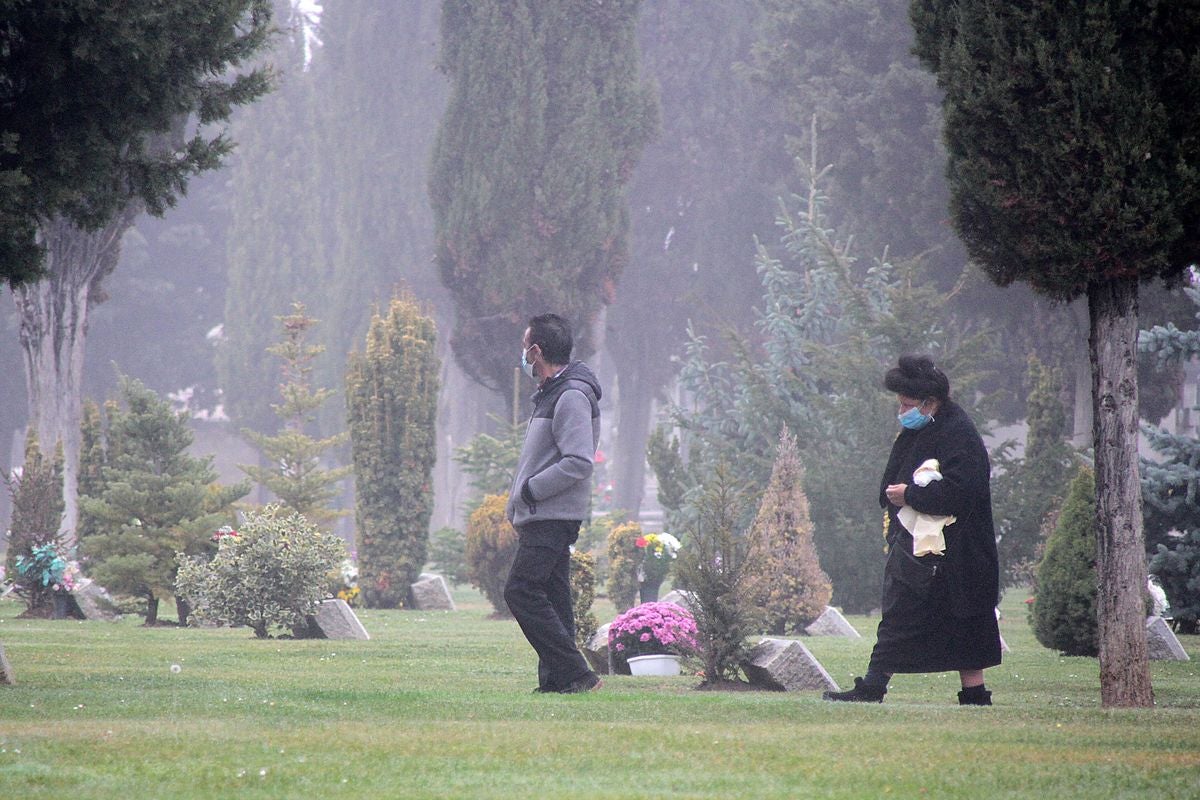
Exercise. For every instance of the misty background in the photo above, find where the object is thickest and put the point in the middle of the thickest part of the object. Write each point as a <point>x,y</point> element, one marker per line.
<point>326,201</point>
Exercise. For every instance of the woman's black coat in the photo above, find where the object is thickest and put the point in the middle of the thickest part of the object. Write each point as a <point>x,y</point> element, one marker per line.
<point>971,565</point>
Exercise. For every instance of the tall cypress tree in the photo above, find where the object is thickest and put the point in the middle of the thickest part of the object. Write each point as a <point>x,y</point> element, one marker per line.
<point>391,398</point>
<point>545,121</point>
<point>1074,166</point>
<point>696,199</point>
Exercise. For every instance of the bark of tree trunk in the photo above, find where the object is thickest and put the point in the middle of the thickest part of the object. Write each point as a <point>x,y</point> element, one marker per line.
<point>151,610</point>
<point>629,458</point>
<point>1120,548</point>
<point>53,331</point>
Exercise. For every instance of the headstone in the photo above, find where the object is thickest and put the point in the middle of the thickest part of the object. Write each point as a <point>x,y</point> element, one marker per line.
<point>430,593</point>
<point>336,620</point>
<point>1158,595</point>
<point>1162,643</point>
<point>786,665</point>
<point>680,598</point>
<point>6,673</point>
<point>832,623</point>
<point>94,601</point>
<point>595,650</point>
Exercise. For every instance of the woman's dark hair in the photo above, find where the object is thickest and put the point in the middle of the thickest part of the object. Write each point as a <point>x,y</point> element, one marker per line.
<point>552,333</point>
<point>917,377</point>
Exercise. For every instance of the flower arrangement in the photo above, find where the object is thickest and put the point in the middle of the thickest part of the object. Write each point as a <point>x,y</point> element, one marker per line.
<point>657,551</point>
<point>223,532</point>
<point>653,629</point>
<point>659,545</point>
<point>48,568</point>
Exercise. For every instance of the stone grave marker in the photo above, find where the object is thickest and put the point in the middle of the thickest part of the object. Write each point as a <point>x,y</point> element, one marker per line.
<point>336,620</point>
<point>1162,643</point>
<point>679,598</point>
<point>430,593</point>
<point>6,673</point>
<point>94,601</point>
<point>595,650</point>
<point>786,665</point>
<point>832,623</point>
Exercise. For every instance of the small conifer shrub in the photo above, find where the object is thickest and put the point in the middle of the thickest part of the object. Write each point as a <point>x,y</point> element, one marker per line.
<point>1063,613</point>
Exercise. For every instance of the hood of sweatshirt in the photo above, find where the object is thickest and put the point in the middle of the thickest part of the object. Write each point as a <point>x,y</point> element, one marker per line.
<point>575,371</point>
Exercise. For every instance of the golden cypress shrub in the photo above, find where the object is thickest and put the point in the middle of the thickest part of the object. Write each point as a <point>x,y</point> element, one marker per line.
<point>624,558</point>
<point>491,548</point>
<point>583,594</point>
<point>786,581</point>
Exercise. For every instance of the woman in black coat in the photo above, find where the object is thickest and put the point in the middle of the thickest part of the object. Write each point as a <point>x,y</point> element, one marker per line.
<point>939,610</point>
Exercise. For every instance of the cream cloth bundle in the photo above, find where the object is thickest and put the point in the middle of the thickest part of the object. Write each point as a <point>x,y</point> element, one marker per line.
<point>926,529</point>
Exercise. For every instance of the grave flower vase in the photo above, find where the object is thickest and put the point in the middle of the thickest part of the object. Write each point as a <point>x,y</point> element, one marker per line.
<point>659,664</point>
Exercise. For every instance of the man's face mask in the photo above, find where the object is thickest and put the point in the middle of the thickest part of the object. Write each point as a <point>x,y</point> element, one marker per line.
<point>525,365</point>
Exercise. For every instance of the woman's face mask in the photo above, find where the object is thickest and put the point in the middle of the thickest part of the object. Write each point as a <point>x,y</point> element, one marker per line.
<point>913,419</point>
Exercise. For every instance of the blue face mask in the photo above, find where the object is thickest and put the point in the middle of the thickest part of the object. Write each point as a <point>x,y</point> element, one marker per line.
<point>913,419</point>
<point>525,365</point>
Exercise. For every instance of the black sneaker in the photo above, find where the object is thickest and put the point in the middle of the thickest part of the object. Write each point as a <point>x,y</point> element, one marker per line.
<point>861,693</point>
<point>589,682</point>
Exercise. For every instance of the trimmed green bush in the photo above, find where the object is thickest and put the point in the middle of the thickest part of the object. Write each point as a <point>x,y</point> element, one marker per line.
<point>273,571</point>
<point>1063,614</point>
<point>491,548</point>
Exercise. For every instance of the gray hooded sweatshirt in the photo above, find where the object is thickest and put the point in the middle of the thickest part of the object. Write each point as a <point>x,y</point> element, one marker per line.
<point>554,474</point>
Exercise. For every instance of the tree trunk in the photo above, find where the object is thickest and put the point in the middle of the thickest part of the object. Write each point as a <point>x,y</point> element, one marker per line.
<point>1081,435</point>
<point>629,458</point>
<point>53,332</point>
<point>151,609</point>
<point>1120,550</point>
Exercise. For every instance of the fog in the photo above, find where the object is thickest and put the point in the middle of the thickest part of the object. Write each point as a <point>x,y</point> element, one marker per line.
<point>326,200</point>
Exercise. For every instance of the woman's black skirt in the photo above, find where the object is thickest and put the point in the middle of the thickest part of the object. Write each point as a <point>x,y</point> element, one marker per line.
<point>918,631</point>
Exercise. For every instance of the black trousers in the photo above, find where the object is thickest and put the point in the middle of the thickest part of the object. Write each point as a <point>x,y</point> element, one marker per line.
<point>538,593</point>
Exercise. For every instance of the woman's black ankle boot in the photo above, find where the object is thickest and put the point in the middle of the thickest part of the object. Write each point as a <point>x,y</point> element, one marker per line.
<point>861,693</point>
<point>975,696</point>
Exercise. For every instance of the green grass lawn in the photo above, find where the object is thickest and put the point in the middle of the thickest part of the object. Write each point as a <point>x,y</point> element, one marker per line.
<point>439,705</point>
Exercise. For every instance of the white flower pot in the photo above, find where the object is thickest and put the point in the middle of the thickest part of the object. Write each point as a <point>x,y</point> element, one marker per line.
<point>654,665</point>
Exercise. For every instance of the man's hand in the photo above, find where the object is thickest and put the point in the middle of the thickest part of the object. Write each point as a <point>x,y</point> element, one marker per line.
<point>895,494</point>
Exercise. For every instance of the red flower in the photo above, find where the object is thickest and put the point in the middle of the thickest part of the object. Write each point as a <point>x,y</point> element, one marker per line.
<point>641,541</point>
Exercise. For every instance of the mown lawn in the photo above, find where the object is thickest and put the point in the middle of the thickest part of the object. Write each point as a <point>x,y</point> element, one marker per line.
<point>439,705</point>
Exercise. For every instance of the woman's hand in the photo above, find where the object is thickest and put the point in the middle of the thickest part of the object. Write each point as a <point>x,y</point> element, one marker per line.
<point>895,494</point>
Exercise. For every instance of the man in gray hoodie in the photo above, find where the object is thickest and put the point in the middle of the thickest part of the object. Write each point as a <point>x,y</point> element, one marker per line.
<point>550,496</point>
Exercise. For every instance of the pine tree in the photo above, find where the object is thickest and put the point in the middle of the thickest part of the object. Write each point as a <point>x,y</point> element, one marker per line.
<point>786,577</point>
<point>155,501</point>
<point>391,397</point>
<point>1073,168</point>
<point>132,96</point>
<point>829,327</point>
<point>295,475</point>
<point>714,568</point>
<point>1171,484</point>
<point>1064,610</point>
<point>545,121</point>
